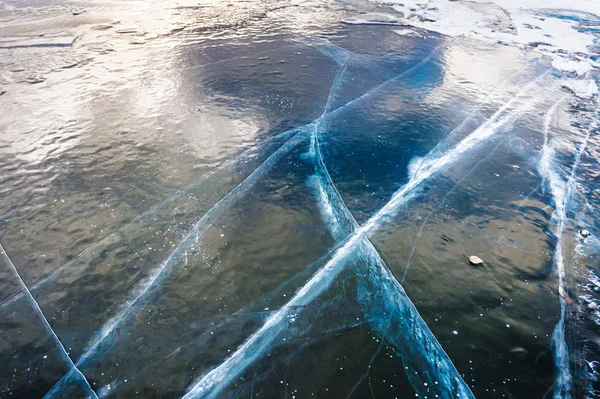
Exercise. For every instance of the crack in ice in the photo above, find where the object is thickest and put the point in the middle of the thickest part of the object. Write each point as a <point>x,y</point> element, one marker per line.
<point>258,342</point>
<point>47,327</point>
<point>561,193</point>
<point>331,199</point>
<point>286,134</point>
<point>132,306</point>
<point>324,46</point>
<point>438,207</point>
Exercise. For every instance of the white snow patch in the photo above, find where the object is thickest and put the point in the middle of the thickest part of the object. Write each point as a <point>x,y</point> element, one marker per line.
<point>373,19</point>
<point>523,23</point>
<point>407,32</point>
<point>574,66</point>
<point>581,88</point>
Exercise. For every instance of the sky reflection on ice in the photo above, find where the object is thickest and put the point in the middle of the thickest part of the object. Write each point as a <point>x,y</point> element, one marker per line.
<point>305,201</point>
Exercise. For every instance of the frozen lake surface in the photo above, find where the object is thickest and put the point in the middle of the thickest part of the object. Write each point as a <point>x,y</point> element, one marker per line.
<point>255,199</point>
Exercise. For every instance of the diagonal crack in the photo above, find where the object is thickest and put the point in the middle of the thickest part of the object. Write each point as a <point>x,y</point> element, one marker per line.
<point>213,382</point>
<point>147,287</point>
<point>561,193</point>
<point>327,48</point>
<point>47,327</point>
<point>343,222</point>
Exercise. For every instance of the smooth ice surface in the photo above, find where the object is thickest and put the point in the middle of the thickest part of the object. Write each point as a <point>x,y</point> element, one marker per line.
<point>267,199</point>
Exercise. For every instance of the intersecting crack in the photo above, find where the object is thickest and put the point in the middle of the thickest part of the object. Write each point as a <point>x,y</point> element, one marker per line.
<point>353,243</point>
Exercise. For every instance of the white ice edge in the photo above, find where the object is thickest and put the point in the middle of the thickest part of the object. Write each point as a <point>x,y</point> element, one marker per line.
<point>561,191</point>
<point>373,19</point>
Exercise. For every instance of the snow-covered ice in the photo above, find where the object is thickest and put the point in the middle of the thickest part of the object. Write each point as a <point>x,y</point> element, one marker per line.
<point>574,66</point>
<point>374,19</point>
<point>551,27</point>
<point>582,88</point>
